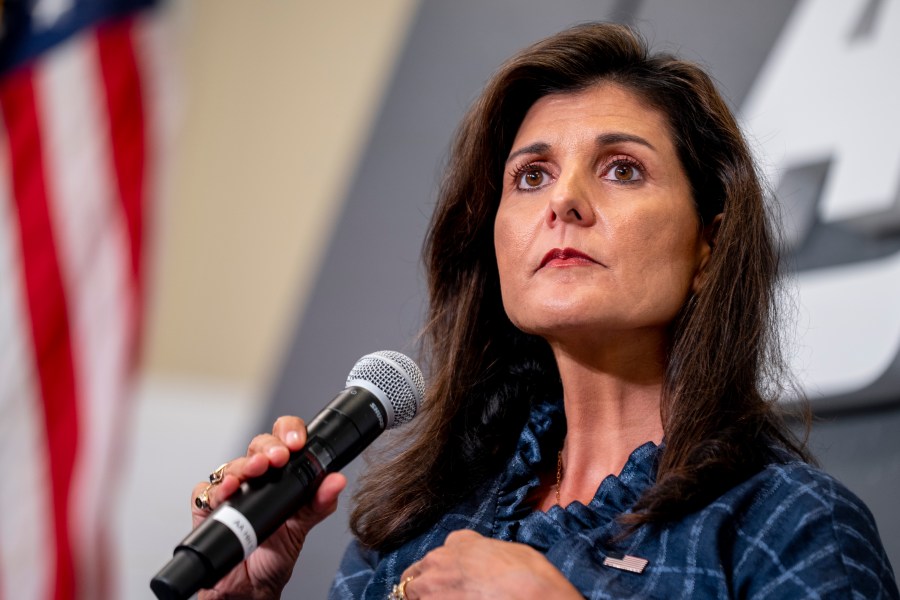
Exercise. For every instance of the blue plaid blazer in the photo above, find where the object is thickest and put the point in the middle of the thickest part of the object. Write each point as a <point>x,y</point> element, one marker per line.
<point>790,531</point>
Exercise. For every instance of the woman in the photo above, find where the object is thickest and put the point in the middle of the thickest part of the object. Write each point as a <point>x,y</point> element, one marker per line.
<point>604,366</point>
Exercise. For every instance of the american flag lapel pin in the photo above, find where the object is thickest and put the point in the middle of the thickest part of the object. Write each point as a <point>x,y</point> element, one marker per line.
<point>633,564</point>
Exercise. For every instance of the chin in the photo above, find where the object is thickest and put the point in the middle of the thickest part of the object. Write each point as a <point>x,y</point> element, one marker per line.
<point>554,325</point>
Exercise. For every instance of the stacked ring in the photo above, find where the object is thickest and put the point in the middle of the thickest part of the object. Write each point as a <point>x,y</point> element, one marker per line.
<point>218,475</point>
<point>202,500</point>
<point>398,592</point>
<point>215,478</point>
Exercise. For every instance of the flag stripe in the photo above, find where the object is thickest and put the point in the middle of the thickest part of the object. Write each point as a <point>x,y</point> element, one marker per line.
<point>125,108</point>
<point>25,531</point>
<point>47,309</point>
<point>130,138</point>
<point>74,173</point>
<point>95,261</point>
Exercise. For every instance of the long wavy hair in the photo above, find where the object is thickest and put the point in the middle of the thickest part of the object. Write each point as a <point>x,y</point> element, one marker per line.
<point>724,372</point>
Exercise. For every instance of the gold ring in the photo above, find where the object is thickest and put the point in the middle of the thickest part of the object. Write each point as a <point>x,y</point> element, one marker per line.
<point>218,475</point>
<point>398,592</point>
<point>202,500</point>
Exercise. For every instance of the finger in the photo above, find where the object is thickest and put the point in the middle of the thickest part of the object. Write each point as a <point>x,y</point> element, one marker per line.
<point>326,498</point>
<point>233,474</point>
<point>324,503</point>
<point>461,536</point>
<point>288,435</point>
<point>414,570</point>
<point>276,451</point>
<point>243,468</point>
<point>197,513</point>
<point>291,431</point>
<point>413,588</point>
<point>204,499</point>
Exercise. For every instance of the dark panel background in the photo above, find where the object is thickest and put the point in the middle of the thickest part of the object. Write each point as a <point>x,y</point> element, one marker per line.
<point>369,293</point>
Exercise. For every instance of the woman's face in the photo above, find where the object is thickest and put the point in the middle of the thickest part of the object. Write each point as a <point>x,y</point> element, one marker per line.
<point>596,230</point>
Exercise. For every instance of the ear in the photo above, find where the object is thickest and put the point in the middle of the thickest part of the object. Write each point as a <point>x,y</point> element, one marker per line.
<point>707,243</point>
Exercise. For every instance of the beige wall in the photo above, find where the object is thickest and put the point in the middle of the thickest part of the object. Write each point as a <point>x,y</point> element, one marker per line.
<point>278,98</point>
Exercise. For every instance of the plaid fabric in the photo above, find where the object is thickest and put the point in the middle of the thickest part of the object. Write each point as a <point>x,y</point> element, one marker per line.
<point>790,531</point>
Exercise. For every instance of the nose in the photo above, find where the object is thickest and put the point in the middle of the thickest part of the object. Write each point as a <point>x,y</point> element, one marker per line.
<point>570,202</point>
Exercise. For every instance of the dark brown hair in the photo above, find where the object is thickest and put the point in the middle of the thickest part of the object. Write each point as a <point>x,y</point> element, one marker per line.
<point>724,369</point>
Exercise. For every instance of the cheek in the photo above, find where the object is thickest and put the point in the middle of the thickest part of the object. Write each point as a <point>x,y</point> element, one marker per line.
<point>682,266</point>
<point>664,253</point>
<point>510,242</point>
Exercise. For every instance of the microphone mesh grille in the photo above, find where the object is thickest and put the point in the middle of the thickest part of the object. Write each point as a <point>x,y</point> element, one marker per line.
<point>397,376</point>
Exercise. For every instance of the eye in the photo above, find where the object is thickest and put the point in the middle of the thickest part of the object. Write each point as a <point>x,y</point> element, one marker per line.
<point>624,171</point>
<point>531,177</point>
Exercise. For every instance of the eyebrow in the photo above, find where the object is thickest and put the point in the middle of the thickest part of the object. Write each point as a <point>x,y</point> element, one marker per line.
<point>609,139</point>
<point>605,139</point>
<point>536,148</point>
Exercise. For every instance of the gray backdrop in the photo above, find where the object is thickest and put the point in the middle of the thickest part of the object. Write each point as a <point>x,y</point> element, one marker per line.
<point>369,292</point>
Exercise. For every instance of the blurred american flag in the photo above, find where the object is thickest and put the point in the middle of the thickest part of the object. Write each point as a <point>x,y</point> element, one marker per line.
<point>79,150</point>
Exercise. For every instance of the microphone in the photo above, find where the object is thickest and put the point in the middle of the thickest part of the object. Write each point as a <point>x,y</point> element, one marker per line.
<point>384,390</point>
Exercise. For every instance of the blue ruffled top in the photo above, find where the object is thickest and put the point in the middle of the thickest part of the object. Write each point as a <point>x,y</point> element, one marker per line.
<point>516,520</point>
<point>790,531</point>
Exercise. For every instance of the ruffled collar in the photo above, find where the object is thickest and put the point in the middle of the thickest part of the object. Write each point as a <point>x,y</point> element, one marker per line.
<point>516,520</point>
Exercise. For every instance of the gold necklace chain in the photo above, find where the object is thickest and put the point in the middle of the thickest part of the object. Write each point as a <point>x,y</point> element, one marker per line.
<point>559,471</point>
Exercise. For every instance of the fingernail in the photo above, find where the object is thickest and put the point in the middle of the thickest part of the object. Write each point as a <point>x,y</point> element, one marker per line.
<point>293,437</point>
<point>272,451</point>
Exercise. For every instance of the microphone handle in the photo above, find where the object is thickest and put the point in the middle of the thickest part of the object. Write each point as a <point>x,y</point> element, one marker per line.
<point>262,504</point>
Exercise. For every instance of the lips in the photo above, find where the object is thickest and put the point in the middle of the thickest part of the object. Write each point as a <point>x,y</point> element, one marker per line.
<point>566,257</point>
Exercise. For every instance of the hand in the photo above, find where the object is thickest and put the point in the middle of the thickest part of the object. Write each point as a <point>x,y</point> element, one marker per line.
<point>469,565</point>
<point>268,569</point>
